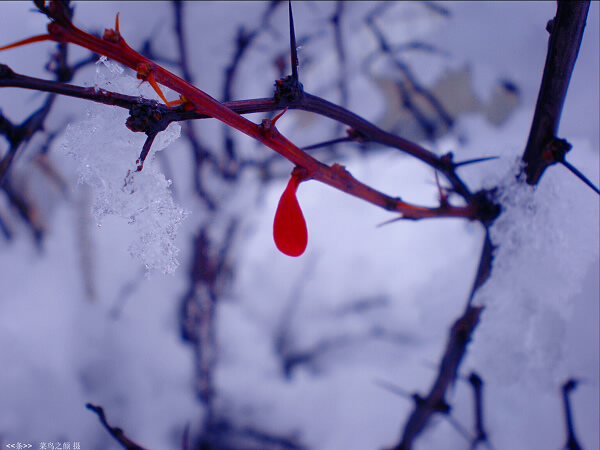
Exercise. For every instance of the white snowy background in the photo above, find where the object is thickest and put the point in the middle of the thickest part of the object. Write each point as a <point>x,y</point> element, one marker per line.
<point>60,350</point>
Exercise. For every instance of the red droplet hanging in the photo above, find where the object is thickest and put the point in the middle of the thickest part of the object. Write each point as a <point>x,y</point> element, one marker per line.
<point>289,226</point>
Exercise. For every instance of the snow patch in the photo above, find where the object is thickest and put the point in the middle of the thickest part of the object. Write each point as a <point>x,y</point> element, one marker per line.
<point>107,151</point>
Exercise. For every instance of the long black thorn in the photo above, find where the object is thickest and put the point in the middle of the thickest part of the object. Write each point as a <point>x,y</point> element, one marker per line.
<point>294,51</point>
<point>327,143</point>
<point>387,222</point>
<point>473,161</point>
<point>581,176</point>
<point>458,427</point>
<point>393,389</point>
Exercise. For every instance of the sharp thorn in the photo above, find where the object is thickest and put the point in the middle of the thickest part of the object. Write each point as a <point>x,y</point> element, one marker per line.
<point>156,87</point>
<point>276,118</point>
<point>294,51</point>
<point>392,388</point>
<point>327,143</point>
<point>31,40</point>
<point>387,222</point>
<point>473,161</point>
<point>581,176</point>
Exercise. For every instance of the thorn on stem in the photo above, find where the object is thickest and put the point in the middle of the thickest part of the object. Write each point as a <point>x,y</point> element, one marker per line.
<point>579,175</point>
<point>294,50</point>
<point>474,161</point>
<point>31,40</point>
<point>276,118</point>
<point>268,125</point>
<point>387,222</point>
<point>144,73</point>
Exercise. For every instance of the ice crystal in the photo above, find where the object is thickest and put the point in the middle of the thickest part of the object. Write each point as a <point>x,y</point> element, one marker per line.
<point>106,151</point>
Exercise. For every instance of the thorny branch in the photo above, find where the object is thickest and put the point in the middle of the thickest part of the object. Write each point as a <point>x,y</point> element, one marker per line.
<point>386,49</point>
<point>434,402</point>
<point>113,45</point>
<point>361,129</point>
<point>571,20</point>
<point>18,136</point>
<point>566,33</point>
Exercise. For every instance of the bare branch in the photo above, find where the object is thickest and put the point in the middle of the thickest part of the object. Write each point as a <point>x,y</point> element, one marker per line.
<point>566,33</point>
<point>572,443</point>
<point>115,432</point>
<point>425,408</point>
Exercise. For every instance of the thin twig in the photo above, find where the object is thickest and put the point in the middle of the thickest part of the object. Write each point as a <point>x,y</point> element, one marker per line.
<point>115,432</point>
<point>425,408</point>
<point>572,443</point>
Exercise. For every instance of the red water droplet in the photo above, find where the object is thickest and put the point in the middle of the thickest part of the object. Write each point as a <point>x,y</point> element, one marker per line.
<point>289,226</point>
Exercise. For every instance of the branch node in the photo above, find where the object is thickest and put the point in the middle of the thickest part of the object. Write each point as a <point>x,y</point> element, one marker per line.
<point>288,89</point>
<point>555,150</point>
<point>487,210</point>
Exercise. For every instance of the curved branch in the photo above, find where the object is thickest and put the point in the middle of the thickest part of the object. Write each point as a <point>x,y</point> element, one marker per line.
<point>114,46</point>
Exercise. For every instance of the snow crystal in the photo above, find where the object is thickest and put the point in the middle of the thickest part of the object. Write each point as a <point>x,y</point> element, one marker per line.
<point>107,151</point>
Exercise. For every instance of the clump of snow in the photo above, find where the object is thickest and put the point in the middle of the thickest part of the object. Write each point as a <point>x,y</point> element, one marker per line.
<point>106,151</point>
<point>547,236</point>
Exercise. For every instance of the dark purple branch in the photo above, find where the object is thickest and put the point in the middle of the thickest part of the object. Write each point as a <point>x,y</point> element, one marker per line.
<point>181,45</point>
<point>339,46</point>
<point>8,78</point>
<point>18,134</point>
<point>115,432</point>
<point>387,49</point>
<point>485,265</point>
<point>243,41</point>
<point>480,434</point>
<point>201,153</point>
<point>6,231</point>
<point>572,443</point>
<point>425,408</point>
<point>566,33</point>
<point>365,130</point>
<point>460,336</point>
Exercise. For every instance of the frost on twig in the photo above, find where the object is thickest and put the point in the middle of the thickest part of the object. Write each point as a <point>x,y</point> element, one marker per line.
<point>107,152</point>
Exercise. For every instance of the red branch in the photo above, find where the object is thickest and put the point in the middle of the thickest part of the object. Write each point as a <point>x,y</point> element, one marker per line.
<point>114,46</point>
